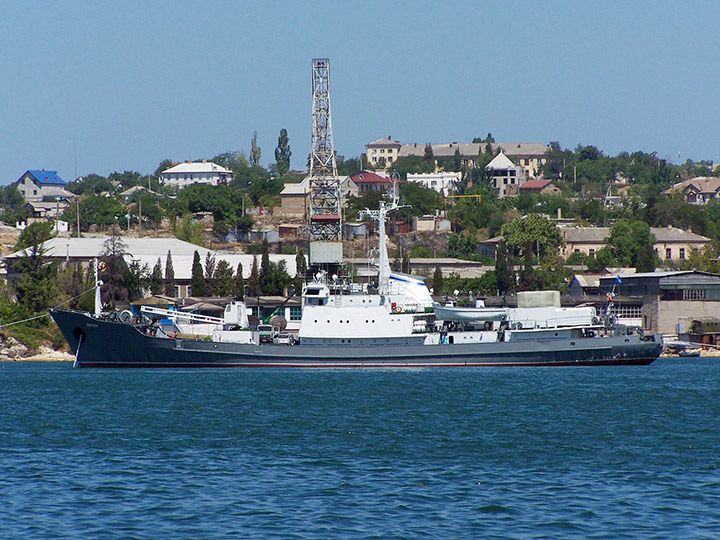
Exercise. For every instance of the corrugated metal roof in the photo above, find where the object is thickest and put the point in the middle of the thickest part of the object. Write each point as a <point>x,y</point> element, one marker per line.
<point>148,250</point>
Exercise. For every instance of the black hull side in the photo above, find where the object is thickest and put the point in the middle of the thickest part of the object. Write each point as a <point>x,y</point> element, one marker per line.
<point>99,343</point>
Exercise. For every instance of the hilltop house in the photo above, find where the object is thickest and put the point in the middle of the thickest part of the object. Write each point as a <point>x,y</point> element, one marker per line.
<point>506,176</point>
<point>697,190</point>
<point>529,156</point>
<point>442,182</point>
<point>382,152</point>
<point>203,172</point>
<point>295,197</point>
<point>371,181</point>
<point>670,243</point>
<point>542,187</point>
<point>38,185</point>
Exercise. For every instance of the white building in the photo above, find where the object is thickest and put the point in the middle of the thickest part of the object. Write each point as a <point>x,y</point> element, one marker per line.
<point>382,152</point>
<point>507,177</point>
<point>40,184</point>
<point>146,251</point>
<point>203,172</point>
<point>442,182</point>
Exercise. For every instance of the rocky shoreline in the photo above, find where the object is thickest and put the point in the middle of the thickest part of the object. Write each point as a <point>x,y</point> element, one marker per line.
<point>12,350</point>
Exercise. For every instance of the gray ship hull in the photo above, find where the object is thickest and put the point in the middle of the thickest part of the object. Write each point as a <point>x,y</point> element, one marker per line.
<point>101,343</point>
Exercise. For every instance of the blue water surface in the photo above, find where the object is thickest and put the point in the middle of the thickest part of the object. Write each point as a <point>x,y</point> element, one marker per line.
<point>597,452</point>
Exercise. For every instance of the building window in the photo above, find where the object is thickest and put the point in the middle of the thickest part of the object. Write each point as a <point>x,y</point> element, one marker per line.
<point>693,294</point>
<point>626,312</point>
<point>682,253</point>
<point>591,252</point>
<point>382,150</point>
<point>668,253</point>
<point>295,313</point>
<point>389,160</point>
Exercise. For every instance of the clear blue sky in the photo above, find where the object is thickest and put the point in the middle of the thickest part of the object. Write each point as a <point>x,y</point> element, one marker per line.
<point>123,85</point>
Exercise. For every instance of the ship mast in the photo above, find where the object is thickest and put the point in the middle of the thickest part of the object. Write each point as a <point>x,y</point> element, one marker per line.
<point>380,216</point>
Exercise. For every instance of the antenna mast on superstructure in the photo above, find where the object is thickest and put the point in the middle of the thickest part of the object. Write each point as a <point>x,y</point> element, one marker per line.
<point>325,205</point>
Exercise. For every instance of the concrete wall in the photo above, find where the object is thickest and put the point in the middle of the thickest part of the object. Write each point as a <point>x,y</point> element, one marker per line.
<point>663,316</point>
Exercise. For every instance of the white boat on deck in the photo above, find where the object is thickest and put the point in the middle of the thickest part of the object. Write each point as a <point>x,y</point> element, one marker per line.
<point>479,312</point>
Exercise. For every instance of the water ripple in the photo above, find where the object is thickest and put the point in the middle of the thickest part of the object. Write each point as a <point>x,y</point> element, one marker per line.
<point>491,453</point>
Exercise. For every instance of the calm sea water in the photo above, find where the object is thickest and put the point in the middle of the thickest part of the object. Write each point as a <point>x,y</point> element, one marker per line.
<point>603,452</point>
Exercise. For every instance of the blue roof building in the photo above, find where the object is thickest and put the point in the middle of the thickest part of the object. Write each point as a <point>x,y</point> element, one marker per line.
<point>35,185</point>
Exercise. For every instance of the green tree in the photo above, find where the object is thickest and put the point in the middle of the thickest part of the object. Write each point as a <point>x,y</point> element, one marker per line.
<point>534,232</point>
<point>224,279</point>
<point>646,259</point>
<point>114,270</point>
<point>36,290</point>
<point>437,280</point>
<point>503,270</point>
<point>411,164</point>
<point>301,269</point>
<point>253,283</point>
<point>626,240</point>
<point>136,280</point>
<point>33,234</point>
<point>282,153</point>
<point>169,282</point>
<point>265,270</point>
<point>428,152</point>
<point>197,280</point>
<point>239,282</point>
<point>255,152</point>
<point>210,267</point>
<point>405,264</point>
<point>156,279</point>
<point>188,230</point>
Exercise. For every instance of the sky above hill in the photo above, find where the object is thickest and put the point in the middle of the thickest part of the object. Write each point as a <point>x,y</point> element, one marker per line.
<point>97,87</point>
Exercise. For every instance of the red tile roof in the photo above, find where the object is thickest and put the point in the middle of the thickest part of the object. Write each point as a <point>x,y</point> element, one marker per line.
<point>367,177</point>
<point>536,184</point>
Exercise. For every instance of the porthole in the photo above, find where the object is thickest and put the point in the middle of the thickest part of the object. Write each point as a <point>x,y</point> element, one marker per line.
<point>572,343</point>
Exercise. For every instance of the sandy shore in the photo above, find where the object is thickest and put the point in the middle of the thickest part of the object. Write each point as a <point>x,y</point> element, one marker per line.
<point>54,356</point>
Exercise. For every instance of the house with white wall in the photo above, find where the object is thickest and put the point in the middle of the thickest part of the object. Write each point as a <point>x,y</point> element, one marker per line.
<point>36,185</point>
<point>202,172</point>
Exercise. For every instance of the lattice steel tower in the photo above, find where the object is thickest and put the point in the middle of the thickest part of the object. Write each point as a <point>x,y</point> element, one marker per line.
<point>325,203</point>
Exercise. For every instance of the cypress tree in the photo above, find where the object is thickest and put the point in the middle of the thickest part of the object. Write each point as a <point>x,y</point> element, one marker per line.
<point>266,277</point>
<point>224,279</point>
<point>197,281</point>
<point>210,274</point>
<point>282,153</point>
<point>503,272</point>
<point>169,276</point>
<point>239,282</point>
<point>438,280</point>
<point>254,279</point>
<point>156,279</point>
